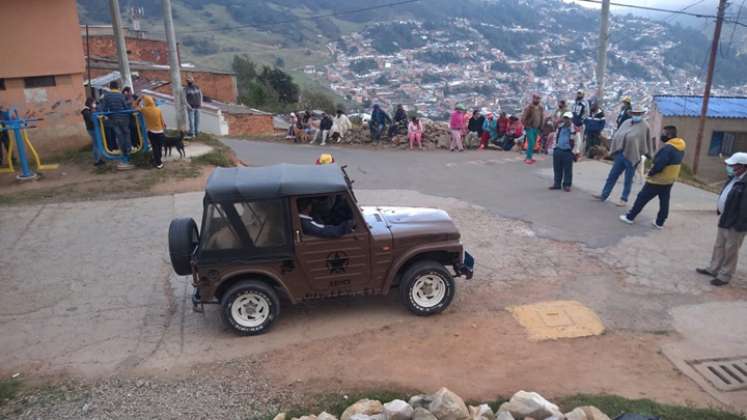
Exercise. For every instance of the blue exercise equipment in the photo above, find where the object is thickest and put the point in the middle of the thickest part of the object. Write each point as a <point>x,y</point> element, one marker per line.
<point>101,140</point>
<point>18,137</point>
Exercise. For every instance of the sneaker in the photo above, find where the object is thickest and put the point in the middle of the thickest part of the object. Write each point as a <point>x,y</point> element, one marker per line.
<point>553,187</point>
<point>718,282</point>
<point>567,189</point>
<point>621,203</point>
<point>598,197</point>
<point>124,166</point>
<point>159,166</point>
<point>657,226</point>
<point>624,219</point>
<point>323,143</point>
<point>705,272</point>
<point>529,161</point>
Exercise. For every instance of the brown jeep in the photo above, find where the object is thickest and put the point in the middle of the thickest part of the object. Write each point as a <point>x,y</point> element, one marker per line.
<point>254,246</point>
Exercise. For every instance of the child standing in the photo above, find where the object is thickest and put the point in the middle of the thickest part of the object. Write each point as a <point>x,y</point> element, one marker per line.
<point>415,132</point>
<point>457,126</point>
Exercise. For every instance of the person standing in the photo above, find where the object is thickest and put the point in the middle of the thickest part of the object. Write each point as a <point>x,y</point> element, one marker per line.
<point>489,131</point>
<point>532,119</point>
<point>661,177</point>
<point>593,126</point>
<point>562,155</point>
<point>559,112</point>
<point>625,108</point>
<point>156,126</point>
<point>116,103</point>
<point>415,133</point>
<point>474,128</point>
<point>193,96</point>
<point>341,125</point>
<point>732,223</point>
<point>580,110</point>
<point>457,127</point>
<point>87,112</point>
<point>627,145</point>
<point>377,123</point>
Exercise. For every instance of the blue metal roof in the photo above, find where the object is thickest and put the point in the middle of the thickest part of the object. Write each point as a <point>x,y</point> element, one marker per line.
<point>689,106</point>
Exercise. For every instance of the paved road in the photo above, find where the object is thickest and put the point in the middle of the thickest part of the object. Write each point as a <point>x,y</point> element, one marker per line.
<point>498,181</point>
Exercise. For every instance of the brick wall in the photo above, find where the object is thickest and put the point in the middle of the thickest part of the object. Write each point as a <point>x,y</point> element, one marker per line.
<point>139,49</point>
<point>247,124</point>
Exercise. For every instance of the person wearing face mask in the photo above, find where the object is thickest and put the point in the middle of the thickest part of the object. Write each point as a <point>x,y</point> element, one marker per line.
<point>532,119</point>
<point>664,172</point>
<point>732,223</point>
<point>626,147</point>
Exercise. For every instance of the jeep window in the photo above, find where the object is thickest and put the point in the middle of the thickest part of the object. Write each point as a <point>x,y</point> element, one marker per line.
<point>218,233</point>
<point>331,211</point>
<point>265,222</point>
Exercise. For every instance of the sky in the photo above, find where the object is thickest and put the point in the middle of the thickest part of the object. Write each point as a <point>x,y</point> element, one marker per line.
<point>698,6</point>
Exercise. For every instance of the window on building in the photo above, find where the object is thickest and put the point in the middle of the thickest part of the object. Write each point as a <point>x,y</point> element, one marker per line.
<point>726,143</point>
<point>38,81</point>
<point>2,84</point>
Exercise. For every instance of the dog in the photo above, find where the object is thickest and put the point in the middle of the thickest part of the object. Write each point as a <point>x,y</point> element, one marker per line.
<point>172,142</point>
<point>301,135</point>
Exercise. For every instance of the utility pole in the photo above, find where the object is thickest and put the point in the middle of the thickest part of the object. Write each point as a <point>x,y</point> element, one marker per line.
<point>124,62</point>
<point>176,75</point>
<point>604,27</point>
<point>709,81</point>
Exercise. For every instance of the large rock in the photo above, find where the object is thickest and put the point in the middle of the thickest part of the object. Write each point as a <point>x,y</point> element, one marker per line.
<point>421,413</point>
<point>504,415</point>
<point>530,404</point>
<point>446,405</point>
<point>481,412</point>
<point>397,410</point>
<point>586,413</point>
<point>365,406</point>
<point>280,416</point>
<point>367,417</point>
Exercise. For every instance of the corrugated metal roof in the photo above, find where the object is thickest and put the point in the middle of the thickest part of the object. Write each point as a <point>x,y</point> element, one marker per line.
<point>689,106</point>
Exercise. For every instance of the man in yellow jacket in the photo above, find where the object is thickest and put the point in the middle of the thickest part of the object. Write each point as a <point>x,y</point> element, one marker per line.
<point>661,177</point>
<point>156,126</point>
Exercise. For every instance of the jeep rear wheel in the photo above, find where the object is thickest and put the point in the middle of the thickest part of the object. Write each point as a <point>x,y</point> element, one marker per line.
<point>183,239</point>
<point>427,288</point>
<point>250,307</point>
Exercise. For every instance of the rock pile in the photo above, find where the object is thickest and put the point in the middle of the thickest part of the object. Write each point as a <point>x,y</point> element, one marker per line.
<point>435,135</point>
<point>446,405</point>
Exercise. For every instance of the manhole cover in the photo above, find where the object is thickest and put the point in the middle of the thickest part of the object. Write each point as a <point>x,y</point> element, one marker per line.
<point>724,374</point>
<point>557,319</point>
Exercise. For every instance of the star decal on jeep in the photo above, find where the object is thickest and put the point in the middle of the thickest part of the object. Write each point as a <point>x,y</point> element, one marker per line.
<point>337,262</point>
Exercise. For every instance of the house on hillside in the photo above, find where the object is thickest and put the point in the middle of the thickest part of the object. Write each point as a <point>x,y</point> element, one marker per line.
<point>42,70</point>
<point>725,129</point>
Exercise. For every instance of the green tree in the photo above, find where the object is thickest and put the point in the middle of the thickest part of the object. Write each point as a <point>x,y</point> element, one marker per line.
<point>317,100</point>
<point>280,82</point>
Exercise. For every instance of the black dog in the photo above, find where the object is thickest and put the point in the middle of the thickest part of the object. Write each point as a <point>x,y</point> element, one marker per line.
<point>171,142</point>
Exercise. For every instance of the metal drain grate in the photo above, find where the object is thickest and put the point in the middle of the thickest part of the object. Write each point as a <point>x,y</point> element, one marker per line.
<point>724,374</point>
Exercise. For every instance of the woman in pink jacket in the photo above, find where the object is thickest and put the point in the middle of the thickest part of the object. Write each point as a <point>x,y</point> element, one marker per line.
<point>415,132</point>
<point>457,125</point>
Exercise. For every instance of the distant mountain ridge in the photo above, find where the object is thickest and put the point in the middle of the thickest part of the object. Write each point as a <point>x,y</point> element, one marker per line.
<point>298,42</point>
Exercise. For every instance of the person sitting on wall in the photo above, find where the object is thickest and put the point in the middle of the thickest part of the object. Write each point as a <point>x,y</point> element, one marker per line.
<point>313,228</point>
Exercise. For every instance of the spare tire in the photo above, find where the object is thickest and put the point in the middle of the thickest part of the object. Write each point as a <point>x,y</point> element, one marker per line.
<point>183,239</point>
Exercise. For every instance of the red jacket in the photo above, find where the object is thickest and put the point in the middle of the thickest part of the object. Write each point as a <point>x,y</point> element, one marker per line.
<point>503,125</point>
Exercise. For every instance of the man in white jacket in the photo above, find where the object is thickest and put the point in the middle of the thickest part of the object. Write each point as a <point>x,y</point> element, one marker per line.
<point>341,125</point>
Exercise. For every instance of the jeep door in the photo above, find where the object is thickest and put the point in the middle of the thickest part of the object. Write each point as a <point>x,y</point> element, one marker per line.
<point>335,266</point>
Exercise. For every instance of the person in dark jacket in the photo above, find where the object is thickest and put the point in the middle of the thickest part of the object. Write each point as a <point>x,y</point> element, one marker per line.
<point>87,112</point>
<point>377,123</point>
<point>562,155</point>
<point>193,97</point>
<point>474,129</point>
<point>732,223</point>
<point>132,102</point>
<point>313,228</point>
<point>114,101</point>
<point>624,111</point>
<point>594,124</point>
<point>325,126</point>
<point>662,175</point>
<point>580,110</point>
<point>399,126</point>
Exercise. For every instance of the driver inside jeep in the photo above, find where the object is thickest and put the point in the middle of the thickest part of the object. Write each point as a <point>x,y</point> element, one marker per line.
<point>312,227</point>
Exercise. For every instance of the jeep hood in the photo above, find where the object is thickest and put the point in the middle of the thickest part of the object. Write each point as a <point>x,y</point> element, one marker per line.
<point>409,221</point>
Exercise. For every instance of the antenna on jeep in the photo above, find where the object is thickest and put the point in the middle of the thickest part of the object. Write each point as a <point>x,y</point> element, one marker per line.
<point>348,181</point>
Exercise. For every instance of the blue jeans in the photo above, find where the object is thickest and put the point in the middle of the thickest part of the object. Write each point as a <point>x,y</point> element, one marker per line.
<point>376,131</point>
<point>121,128</point>
<point>194,121</point>
<point>619,166</point>
<point>96,152</point>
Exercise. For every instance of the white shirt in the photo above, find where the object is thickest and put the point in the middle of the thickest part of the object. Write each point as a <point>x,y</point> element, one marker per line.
<point>725,193</point>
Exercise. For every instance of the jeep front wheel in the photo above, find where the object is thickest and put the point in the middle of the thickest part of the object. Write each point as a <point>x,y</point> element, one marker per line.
<point>427,288</point>
<point>250,307</point>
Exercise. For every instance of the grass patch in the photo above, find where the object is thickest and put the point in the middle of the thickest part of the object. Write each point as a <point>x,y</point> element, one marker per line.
<point>8,389</point>
<point>613,406</point>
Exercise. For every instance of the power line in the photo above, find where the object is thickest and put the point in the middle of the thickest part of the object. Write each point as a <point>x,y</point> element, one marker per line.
<point>673,12</point>
<point>283,22</point>
<point>684,8</point>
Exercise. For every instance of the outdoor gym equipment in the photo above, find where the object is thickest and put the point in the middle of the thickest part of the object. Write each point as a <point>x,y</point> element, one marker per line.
<point>100,131</point>
<point>18,138</point>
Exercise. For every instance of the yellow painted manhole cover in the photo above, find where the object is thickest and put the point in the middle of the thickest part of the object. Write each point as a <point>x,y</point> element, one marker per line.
<point>557,319</point>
